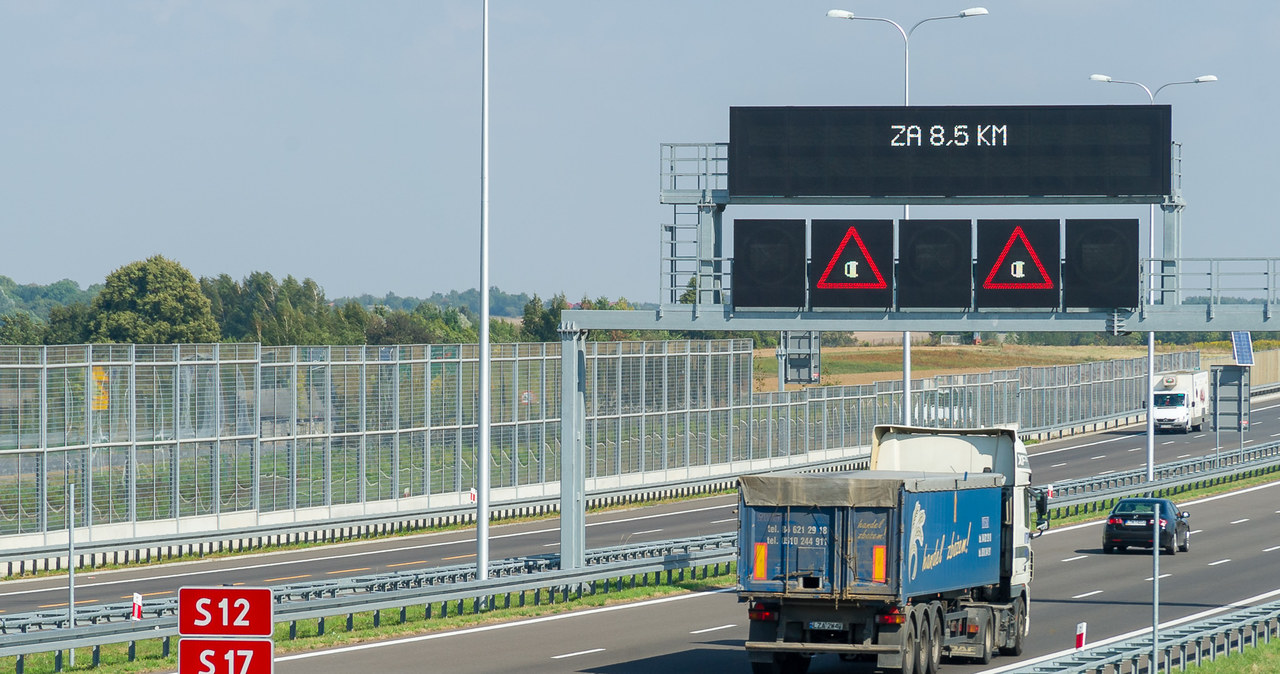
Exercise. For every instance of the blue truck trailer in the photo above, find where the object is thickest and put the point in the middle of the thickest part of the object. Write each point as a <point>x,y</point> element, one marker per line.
<point>902,566</point>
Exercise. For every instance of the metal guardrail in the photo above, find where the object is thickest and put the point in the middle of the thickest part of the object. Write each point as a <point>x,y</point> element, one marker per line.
<point>1103,490</point>
<point>1182,645</point>
<point>364,585</point>
<point>1068,489</point>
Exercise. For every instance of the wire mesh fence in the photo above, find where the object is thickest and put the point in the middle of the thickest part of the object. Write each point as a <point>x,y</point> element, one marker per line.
<point>156,433</point>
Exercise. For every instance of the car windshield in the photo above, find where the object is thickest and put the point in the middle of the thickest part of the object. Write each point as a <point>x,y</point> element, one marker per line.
<point>1170,399</point>
<point>1135,508</point>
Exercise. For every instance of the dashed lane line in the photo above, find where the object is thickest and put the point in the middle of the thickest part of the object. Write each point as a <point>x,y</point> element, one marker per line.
<point>576,654</point>
<point>712,629</point>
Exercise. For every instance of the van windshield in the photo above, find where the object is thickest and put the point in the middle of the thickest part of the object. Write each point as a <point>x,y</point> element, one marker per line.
<point>1171,399</point>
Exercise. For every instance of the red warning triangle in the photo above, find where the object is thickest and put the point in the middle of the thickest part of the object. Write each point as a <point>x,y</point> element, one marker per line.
<point>1044,284</point>
<point>872,268</point>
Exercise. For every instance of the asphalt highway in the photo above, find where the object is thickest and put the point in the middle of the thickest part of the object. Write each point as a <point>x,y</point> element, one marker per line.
<point>1234,555</point>
<point>1077,456</point>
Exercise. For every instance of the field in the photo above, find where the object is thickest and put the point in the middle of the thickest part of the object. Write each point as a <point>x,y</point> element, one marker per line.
<point>853,365</point>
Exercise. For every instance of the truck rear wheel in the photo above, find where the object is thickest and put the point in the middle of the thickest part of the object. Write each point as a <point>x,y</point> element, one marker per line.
<point>988,642</point>
<point>924,642</point>
<point>935,640</point>
<point>909,656</point>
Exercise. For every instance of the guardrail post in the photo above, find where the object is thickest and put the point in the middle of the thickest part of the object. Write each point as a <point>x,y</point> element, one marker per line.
<point>320,627</point>
<point>133,651</point>
<point>351,621</point>
<point>57,660</point>
<point>19,663</point>
<point>97,655</point>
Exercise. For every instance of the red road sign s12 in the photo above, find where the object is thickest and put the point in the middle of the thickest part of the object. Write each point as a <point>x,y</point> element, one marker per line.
<point>225,656</point>
<point>224,611</point>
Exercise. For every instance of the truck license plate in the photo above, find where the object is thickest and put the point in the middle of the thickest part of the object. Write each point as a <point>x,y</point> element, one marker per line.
<point>824,625</point>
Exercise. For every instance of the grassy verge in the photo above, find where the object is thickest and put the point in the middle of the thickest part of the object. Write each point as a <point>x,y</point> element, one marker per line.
<point>343,630</point>
<point>1261,660</point>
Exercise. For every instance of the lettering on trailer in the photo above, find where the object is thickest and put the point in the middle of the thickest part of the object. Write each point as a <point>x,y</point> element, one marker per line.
<point>946,547</point>
<point>852,264</point>
<point>1017,264</point>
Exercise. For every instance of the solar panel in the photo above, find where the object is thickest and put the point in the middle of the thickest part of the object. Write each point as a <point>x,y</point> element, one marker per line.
<point>1242,348</point>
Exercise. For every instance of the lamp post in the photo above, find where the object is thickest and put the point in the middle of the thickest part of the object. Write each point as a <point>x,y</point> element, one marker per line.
<point>906,101</point>
<point>1151,254</point>
<point>1156,528</point>
<point>482,486</point>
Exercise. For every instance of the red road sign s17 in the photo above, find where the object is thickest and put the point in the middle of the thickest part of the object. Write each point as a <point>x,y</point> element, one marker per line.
<point>225,656</point>
<point>224,611</point>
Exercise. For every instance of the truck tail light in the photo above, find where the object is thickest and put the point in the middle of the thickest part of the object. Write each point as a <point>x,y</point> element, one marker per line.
<point>893,617</point>
<point>762,612</point>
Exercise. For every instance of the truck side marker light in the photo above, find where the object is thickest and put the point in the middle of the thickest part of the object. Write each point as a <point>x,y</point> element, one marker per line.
<point>878,564</point>
<point>759,570</point>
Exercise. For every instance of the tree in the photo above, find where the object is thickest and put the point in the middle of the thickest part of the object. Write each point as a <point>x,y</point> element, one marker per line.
<point>68,325</point>
<point>154,301</point>
<point>20,328</point>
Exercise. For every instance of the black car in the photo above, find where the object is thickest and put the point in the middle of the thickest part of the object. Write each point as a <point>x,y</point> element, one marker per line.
<point>1130,524</point>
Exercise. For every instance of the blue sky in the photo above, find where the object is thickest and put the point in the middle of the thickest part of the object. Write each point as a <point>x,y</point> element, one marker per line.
<point>340,140</point>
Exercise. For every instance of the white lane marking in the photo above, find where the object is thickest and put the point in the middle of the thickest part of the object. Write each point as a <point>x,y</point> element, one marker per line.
<point>1220,561</point>
<point>1087,444</point>
<point>1243,603</point>
<point>1163,575</point>
<point>1194,531</point>
<point>712,629</point>
<point>1105,472</point>
<point>1197,435</point>
<point>500,626</point>
<point>647,531</point>
<point>1072,559</point>
<point>550,545</point>
<point>1271,549</point>
<point>1182,456</point>
<point>1168,443</point>
<point>1137,449</point>
<point>1275,435</point>
<point>1100,456</point>
<point>731,519</point>
<point>1057,465</point>
<point>1087,594</point>
<point>576,654</point>
<point>1239,521</point>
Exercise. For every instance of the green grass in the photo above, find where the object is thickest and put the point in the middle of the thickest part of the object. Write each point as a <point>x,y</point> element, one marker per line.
<point>1265,659</point>
<point>114,658</point>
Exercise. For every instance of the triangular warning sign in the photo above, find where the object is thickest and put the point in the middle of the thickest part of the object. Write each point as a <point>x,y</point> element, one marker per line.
<point>856,265</point>
<point>1018,268</point>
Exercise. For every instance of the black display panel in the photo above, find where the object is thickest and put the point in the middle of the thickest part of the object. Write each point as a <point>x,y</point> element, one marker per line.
<point>768,264</point>
<point>1094,151</point>
<point>1100,267</point>
<point>852,264</point>
<point>1017,264</point>
<point>935,264</point>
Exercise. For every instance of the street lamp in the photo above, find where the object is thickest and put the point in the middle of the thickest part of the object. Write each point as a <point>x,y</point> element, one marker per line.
<point>906,100</point>
<point>1151,359</point>
<point>1151,254</point>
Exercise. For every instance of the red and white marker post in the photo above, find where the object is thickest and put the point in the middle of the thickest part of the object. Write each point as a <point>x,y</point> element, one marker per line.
<point>1080,629</point>
<point>137,606</point>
